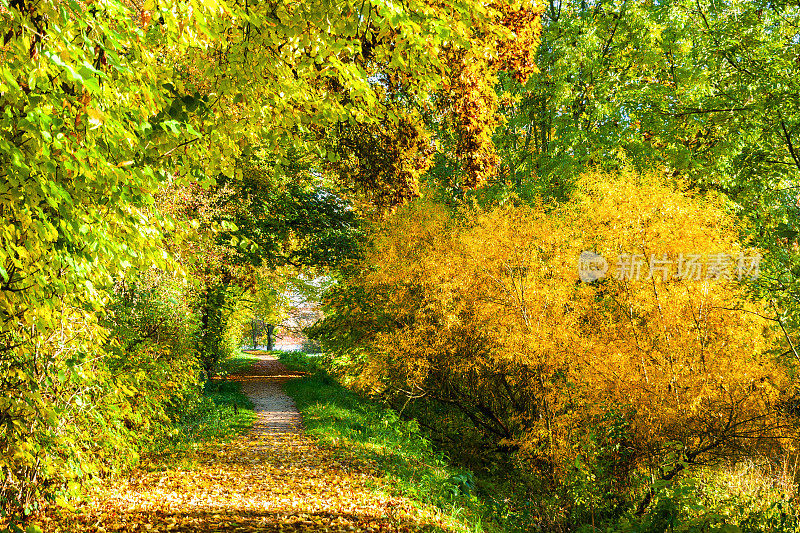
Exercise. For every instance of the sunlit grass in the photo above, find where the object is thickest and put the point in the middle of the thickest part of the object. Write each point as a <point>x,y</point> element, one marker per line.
<point>238,363</point>
<point>411,466</point>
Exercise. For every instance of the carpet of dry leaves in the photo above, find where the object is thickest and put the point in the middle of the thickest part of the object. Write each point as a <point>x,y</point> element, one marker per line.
<point>275,478</point>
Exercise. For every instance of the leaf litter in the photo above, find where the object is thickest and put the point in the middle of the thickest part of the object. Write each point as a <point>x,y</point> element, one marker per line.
<point>275,479</point>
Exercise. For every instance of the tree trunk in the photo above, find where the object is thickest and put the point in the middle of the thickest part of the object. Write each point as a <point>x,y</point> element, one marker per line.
<point>213,327</point>
<point>270,328</point>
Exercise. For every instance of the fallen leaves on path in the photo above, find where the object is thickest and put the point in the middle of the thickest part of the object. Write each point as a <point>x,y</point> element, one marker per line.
<point>273,479</point>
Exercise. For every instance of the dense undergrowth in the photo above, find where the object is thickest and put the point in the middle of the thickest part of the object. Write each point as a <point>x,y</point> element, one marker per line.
<point>493,494</point>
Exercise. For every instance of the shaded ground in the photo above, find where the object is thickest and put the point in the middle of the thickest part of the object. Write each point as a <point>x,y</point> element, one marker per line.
<point>273,479</point>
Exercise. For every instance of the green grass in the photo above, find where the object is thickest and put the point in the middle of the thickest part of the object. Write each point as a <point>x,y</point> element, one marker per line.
<point>238,363</point>
<point>300,361</point>
<point>223,413</point>
<point>341,419</point>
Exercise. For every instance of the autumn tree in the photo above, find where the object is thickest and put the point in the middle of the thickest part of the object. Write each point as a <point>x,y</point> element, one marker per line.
<point>705,91</point>
<point>483,313</point>
<point>246,228</point>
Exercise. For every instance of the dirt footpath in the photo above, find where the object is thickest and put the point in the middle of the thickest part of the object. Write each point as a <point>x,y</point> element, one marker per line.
<point>276,411</point>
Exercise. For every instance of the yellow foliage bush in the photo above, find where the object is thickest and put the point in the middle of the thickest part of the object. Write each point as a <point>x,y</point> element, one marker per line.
<point>484,310</point>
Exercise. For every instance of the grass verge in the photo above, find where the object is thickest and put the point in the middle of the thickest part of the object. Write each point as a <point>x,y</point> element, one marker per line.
<point>240,362</point>
<point>341,419</point>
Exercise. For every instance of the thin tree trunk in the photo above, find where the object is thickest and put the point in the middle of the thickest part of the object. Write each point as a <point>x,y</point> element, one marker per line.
<point>270,328</point>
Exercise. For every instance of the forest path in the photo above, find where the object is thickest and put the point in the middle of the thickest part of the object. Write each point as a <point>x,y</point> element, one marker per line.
<point>274,478</point>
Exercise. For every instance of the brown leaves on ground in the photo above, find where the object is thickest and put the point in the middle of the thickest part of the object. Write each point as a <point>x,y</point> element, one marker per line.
<point>272,479</point>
